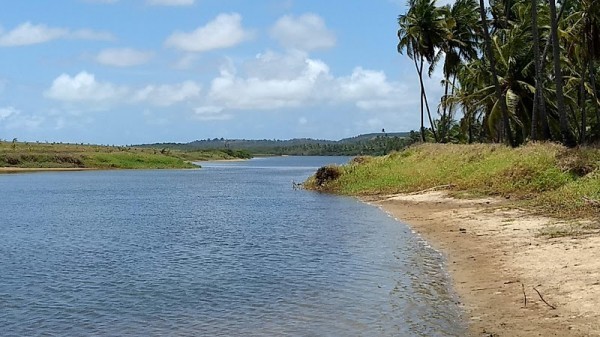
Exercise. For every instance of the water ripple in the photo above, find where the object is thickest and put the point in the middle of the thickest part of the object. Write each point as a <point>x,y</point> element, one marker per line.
<point>226,251</point>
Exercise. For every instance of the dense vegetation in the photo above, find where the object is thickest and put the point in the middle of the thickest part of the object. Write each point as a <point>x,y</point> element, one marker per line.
<point>369,144</point>
<point>519,70</point>
<point>42,155</point>
<point>559,181</point>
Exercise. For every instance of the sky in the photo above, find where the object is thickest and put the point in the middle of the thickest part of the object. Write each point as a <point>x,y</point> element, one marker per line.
<point>143,71</point>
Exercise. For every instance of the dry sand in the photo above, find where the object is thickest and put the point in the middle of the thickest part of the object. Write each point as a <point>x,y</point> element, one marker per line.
<point>496,257</point>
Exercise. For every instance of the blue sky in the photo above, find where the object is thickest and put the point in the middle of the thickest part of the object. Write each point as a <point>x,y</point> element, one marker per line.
<point>137,71</point>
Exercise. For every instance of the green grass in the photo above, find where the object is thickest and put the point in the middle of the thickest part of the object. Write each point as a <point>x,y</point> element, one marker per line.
<point>42,155</point>
<point>542,176</point>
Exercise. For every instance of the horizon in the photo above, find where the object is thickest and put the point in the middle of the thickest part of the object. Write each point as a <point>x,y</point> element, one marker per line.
<point>132,72</point>
<point>202,140</point>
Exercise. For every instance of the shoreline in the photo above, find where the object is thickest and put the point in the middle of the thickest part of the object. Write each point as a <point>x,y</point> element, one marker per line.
<point>496,257</point>
<point>9,170</point>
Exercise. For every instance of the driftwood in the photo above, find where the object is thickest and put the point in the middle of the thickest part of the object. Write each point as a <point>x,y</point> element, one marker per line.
<point>524,295</point>
<point>541,297</point>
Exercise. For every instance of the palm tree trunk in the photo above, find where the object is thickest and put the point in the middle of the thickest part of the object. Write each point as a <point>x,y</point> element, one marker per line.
<point>490,54</point>
<point>429,113</point>
<point>582,98</point>
<point>471,118</point>
<point>420,73</point>
<point>538,70</point>
<point>546,133</point>
<point>445,105</point>
<point>592,70</point>
<point>565,131</point>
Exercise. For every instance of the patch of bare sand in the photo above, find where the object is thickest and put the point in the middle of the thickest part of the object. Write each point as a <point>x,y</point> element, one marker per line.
<point>496,258</point>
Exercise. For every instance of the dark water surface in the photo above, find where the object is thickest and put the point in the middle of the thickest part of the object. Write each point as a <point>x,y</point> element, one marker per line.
<point>228,250</point>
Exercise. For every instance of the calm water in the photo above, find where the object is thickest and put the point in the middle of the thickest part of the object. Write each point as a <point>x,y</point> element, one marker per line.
<point>228,250</point>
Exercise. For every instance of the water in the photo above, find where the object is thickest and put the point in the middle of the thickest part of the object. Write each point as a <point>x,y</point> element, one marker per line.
<point>228,250</point>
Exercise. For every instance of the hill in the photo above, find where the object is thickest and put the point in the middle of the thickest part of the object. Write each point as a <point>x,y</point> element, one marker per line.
<point>367,144</point>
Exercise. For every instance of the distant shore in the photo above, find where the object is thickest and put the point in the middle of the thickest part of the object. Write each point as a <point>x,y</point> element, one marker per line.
<point>496,258</point>
<point>50,169</point>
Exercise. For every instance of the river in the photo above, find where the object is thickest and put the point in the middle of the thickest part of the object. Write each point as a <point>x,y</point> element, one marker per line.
<point>227,250</point>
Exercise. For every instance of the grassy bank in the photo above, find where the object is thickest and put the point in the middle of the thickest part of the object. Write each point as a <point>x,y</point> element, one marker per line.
<point>43,155</point>
<point>548,177</point>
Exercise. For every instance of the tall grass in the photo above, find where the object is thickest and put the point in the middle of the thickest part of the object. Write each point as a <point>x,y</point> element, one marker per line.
<point>547,176</point>
<point>59,155</point>
<point>37,155</point>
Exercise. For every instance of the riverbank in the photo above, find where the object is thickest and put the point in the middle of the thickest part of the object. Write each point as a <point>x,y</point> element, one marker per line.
<point>519,227</point>
<point>30,157</point>
<point>498,258</point>
<point>27,170</point>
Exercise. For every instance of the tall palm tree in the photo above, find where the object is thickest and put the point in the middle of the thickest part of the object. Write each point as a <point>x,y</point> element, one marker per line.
<point>490,54</point>
<point>565,130</point>
<point>538,69</point>
<point>461,45</point>
<point>586,19</point>
<point>421,30</point>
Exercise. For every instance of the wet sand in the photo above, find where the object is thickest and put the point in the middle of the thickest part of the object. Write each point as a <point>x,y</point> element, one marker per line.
<point>498,259</point>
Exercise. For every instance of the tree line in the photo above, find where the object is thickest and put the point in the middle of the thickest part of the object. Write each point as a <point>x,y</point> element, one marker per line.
<point>514,71</point>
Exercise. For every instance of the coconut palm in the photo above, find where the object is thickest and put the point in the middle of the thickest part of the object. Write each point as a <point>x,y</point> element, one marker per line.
<point>421,30</point>
<point>584,38</point>
<point>565,130</point>
<point>538,69</point>
<point>490,54</point>
<point>461,45</point>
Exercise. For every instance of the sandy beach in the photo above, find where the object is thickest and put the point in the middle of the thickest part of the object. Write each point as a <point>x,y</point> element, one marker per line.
<point>499,262</point>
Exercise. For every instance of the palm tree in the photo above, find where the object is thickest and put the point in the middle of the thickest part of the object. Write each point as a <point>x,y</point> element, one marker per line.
<point>538,69</point>
<point>565,131</point>
<point>421,30</point>
<point>460,46</point>
<point>586,23</point>
<point>492,60</point>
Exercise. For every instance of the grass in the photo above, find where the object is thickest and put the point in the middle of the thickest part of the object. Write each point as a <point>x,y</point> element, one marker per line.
<point>44,155</point>
<point>541,176</point>
<point>570,229</point>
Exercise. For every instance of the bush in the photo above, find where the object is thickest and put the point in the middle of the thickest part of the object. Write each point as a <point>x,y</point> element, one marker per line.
<point>326,174</point>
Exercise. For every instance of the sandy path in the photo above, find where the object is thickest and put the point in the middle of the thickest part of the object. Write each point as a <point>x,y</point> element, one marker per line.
<point>495,254</point>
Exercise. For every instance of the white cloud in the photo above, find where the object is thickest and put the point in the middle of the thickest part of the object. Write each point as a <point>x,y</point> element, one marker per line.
<point>275,81</point>
<point>268,92</point>
<point>13,118</point>
<point>306,32</point>
<point>29,34</point>
<point>83,87</point>
<point>371,90</point>
<point>88,34</point>
<point>7,112</point>
<point>211,113</point>
<point>166,95</point>
<point>186,61</point>
<point>123,57</point>
<point>224,31</point>
<point>170,2</point>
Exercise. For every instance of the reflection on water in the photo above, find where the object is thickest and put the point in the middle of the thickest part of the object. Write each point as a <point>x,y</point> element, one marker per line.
<point>230,249</point>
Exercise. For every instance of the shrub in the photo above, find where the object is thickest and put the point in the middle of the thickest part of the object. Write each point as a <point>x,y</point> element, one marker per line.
<point>326,174</point>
